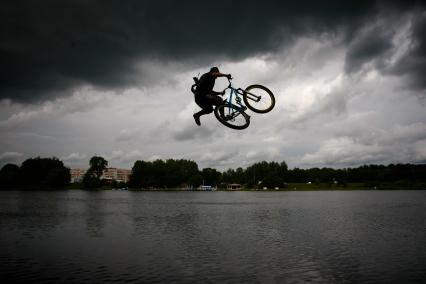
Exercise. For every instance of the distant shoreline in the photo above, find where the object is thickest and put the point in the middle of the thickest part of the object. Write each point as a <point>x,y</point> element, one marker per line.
<point>290,187</point>
<point>306,187</point>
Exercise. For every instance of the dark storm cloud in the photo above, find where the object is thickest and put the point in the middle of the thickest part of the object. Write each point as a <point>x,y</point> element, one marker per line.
<point>47,48</point>
<point>374,44</point>
<point>367,47</point>
<point>413,63</point>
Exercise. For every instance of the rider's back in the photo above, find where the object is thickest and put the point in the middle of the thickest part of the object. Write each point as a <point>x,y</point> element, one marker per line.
<point>206,83</point>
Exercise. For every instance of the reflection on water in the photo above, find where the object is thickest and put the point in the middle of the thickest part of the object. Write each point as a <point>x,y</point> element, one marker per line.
<point>246,237</point>
<point>95,208</point>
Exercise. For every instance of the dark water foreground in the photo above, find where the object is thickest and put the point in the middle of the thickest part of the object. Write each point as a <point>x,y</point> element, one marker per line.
<point>209,237</point>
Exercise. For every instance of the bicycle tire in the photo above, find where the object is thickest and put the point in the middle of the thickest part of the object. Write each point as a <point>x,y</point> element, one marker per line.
<point>265,93</point>
<point>235,112</point>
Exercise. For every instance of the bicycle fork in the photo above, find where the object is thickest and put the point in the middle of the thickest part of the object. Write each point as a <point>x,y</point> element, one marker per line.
<point>251,96</point>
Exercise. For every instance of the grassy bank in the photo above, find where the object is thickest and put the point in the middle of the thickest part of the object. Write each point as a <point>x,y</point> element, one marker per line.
<point>349,186</point>
<point>295,187</point>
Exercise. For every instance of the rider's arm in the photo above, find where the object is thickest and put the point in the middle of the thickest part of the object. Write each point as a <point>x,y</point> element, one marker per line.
<point>218,74</point>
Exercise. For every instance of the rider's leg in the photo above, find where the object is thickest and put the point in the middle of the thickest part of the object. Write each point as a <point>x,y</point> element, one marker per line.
<point>217,101</point>
<point>200,113</point>
<point>206,103</point>
<point>203,112</point>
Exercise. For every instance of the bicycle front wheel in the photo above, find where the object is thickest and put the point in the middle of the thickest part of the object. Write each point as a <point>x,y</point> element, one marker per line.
<point>258,98</point>
<point>232,116</point>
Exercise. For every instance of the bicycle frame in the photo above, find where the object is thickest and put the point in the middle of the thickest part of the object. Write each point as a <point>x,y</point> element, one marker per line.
<point>239,92</point>
<point>237,97</point>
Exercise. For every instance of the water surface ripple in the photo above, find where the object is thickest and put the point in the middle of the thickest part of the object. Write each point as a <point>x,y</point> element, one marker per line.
<point>228,237</point>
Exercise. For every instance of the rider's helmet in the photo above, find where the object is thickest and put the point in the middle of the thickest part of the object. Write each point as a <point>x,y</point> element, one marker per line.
<point>214,70</point>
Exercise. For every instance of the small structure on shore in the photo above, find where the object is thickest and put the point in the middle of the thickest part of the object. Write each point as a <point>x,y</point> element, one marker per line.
<point>206,188</point>
<point>234,186</point>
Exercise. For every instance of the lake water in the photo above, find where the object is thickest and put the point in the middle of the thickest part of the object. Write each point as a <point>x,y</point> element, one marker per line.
<point>207,237</point>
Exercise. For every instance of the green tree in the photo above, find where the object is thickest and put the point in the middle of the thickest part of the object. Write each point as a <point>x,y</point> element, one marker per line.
<point>92,178</point>
<point>211,176</point>
<point>58,177</point>
<point>297,175</point>
<point>9,176</point>
<point>137,177</point>
<point>91,181</point>
<point>187,170</point>
<point>159,173</point>
<point>269,174</point>
<point>195,180</point>
<point>97,165</point>
<point>228,176</point>
<point>49,172</point>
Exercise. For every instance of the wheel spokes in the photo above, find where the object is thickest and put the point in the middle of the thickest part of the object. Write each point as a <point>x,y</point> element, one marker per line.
<point>234,116</point>
<point>261,101</point>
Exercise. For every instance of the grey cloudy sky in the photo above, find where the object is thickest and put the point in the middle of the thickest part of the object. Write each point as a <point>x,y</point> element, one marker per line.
<point>80,78</point>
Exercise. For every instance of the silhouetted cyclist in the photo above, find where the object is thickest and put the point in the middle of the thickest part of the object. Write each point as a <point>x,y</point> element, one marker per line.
<point>205,97</point>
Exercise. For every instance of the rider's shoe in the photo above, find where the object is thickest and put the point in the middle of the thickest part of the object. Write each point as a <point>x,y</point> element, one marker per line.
<point>197,119</point>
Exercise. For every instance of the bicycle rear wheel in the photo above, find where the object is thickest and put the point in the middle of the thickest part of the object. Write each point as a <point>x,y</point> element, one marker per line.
<point>259,99</point>
<point>234,117</point>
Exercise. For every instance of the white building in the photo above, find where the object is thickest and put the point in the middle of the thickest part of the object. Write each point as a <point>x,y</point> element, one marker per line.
<point>120,175</point>
<point>77,175</point>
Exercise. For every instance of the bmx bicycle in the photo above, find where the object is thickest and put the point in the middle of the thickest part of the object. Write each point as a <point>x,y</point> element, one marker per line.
<point>257,98</point>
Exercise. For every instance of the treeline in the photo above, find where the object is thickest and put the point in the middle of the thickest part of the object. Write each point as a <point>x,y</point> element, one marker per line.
<point>262,174</point>
<point>51,173</point>
<point>36,173</point>
<point>365,174</point>
<point>184,173</point>
<point>174,173</point>
<point>272,174</point>
<point>171,173</point>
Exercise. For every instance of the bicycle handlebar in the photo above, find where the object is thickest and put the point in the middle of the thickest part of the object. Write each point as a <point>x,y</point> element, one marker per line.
<point>230,84</point>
